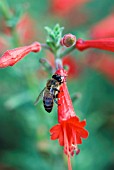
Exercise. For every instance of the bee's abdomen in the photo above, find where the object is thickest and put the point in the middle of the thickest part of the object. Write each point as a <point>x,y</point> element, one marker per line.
<point>48,103</point>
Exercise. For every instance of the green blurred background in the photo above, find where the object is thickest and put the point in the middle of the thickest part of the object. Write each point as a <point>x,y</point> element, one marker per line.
<point>24,128</point>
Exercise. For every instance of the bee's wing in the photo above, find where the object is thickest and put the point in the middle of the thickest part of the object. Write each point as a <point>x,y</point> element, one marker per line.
<point>39,96</point>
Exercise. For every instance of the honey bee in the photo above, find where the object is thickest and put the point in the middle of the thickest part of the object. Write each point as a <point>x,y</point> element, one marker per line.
<point>50,92</point>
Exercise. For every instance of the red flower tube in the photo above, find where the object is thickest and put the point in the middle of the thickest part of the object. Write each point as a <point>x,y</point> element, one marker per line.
<point>73,68</point>
<point>102,63</point>
<point>3,44</point>
<point>70,129</point>
<point>11,57</point>
<point>104,28</point>
<point>64,7</point>
<point>26,29</point>
<point>103,44</point>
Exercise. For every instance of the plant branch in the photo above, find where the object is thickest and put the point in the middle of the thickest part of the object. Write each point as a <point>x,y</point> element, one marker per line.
<point>46,47</point>
<point>67,51</point>
<point>58,63</point>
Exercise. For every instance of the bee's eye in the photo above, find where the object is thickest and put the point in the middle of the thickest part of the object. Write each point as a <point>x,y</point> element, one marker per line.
<point>54,77</point>
<point>57,77</point>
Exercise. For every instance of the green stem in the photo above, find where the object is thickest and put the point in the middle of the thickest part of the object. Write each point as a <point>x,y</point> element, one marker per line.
<point>5,9</point>
<point>58,54</point>
<point>58,63</point>
<point>46,47</point>
<point>45,63</point>
<point>8,16</point>
<point>67,51</point>
<point>15,42</point>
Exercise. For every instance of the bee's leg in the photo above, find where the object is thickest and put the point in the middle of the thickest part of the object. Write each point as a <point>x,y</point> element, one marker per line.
<point>56,96</point>
<point>52,90</point>
<point>55,101</point>
<point>55,89</point>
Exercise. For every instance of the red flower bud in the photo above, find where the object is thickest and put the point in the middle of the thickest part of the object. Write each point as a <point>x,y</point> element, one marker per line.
<point>11,57</point>
<point>103,44</point>
<point>68,40</point>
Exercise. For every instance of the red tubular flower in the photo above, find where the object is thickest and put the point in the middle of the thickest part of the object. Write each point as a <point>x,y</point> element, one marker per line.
<point>103,44</point>
<point>64,7</point>
<point>102,63</point>
<point>3,44</point>
<point>11,57</point>
<point>104,28</point>
<point>26,29</point>
<point>71,62</point>
<point>70,129</point>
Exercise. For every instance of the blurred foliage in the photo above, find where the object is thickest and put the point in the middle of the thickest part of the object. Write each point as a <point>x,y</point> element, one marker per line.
<point>24,128</point>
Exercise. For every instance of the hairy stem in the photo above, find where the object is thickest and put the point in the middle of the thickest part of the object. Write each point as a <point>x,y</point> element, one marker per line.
<point>58,63</point>
<point>15,37</point>
<point>67,51</point>
<point>46,47</point>
<point>5,9</point>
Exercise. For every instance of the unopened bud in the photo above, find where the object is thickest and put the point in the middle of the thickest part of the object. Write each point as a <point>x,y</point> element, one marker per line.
<point>68,40</point>
<point>43,60</point>
<point>46,64</point>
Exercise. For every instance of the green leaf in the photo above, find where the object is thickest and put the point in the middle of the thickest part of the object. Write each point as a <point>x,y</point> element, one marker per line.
<point>49,30</point>
<point>54,37</point>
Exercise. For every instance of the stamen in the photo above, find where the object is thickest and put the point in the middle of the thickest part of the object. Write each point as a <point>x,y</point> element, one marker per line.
<point>77,151</point>
<point>66,145</point>
<point>75,147</point>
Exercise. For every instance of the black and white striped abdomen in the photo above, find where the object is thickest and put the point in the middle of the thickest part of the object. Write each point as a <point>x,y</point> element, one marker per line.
<point>48,101</point>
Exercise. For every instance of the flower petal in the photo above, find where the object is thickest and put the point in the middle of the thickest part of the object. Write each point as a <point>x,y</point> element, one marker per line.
<point>54,136</point>
<point>61,138</point>
<point>82,132</point>
<point>78,139</point>
<point>55,131</point>
<point>55,128</point>
<point>83,123</point>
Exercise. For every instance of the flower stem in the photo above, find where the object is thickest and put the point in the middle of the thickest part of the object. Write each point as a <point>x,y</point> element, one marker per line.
<point>45,63</point>
<point>15,37</point>
<point>67,51</point>
<point>5,9</point>
<point>58,63</point>
<point>46,47</point>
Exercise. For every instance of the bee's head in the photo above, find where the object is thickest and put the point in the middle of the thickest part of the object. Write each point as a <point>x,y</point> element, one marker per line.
<point>59,78</point>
